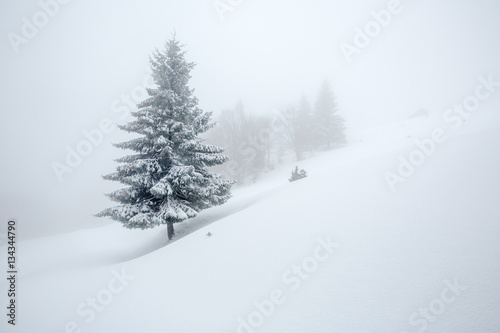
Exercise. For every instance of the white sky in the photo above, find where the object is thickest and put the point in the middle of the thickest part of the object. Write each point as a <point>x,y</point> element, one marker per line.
<point>266,53</point>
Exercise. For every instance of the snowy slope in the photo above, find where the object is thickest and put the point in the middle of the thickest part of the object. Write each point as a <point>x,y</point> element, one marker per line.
<point>335,252</point>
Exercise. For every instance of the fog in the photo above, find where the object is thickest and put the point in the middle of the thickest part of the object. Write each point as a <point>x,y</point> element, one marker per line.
<point>84,62</point>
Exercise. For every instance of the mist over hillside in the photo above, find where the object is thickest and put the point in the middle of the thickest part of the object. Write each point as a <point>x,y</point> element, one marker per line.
<point>250,166</point>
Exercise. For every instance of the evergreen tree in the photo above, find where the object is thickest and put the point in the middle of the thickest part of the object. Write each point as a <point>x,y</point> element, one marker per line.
<point>305,124</point>
<point>290,132</point>
<point>248,140</point>
<point>232,132</point>
<point>167,178</point>
<point>330,126</point>
<point>297,131</point>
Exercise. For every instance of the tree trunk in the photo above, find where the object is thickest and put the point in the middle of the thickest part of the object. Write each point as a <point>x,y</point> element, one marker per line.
<point>170,231</point>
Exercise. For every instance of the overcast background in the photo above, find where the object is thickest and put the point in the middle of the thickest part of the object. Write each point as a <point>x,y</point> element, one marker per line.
<point>266,53</point>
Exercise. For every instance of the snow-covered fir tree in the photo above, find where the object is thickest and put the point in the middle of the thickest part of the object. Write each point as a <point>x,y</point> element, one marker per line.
<point>305,124</point>
<point>330,126</point>
<point>297,128</point>
<point>167,178</point>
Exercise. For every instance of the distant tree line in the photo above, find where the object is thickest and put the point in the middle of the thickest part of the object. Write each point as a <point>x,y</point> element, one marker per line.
<point>257,143</point>
<point>169,176</point>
